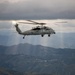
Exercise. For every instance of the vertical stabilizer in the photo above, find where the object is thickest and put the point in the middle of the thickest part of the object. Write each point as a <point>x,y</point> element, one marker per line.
<point>17,29</point>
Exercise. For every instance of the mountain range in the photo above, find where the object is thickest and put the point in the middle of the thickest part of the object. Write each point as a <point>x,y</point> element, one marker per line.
<point>36,59</point>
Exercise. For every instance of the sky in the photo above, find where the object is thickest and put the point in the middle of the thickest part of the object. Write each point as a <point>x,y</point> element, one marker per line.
<point>57,14</point>
<point>37,9</point>
<point>64,37</point>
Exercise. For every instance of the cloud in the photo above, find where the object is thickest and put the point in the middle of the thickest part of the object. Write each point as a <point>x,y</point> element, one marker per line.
<point>13,1</point>
<point>37,9</point>
<point>60,27</point>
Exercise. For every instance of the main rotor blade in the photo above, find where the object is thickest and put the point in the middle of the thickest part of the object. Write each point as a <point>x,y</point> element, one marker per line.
<point>36,22</point>
<point>32,21</point>
<point>62,22</point>
<point>25,23</point>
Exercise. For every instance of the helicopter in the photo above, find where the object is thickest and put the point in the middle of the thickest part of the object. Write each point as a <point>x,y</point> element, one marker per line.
<point>38,30</point>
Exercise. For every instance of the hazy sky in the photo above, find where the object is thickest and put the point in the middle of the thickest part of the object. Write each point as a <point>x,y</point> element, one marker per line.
<point>64,37</point>
<point>59,25</point>
<point>37,9</point>
<point>53,12</point>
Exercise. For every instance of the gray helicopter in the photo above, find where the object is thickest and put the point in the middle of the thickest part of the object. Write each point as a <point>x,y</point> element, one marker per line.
<point>38,30</point>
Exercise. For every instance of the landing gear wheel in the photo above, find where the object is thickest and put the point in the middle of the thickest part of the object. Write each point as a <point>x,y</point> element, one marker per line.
<point>24,37</point>
<point>48,35</point>
<point>42,35</point>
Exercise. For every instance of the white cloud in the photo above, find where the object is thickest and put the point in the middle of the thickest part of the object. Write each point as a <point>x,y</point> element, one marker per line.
<point>37,9</point>
<point>60,27</point>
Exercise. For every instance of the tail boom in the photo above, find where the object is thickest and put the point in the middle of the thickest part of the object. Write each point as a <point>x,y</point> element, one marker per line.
<point>17,29</point>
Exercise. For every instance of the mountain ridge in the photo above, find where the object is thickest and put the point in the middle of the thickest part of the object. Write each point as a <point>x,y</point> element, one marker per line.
<point>35,59</point>
<point>33,45</point>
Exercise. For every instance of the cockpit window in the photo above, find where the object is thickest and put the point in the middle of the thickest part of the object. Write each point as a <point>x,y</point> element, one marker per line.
<point>37,28</point>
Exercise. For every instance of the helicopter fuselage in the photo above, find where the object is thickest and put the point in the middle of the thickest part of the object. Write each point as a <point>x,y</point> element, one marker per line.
<point>39,30</point>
